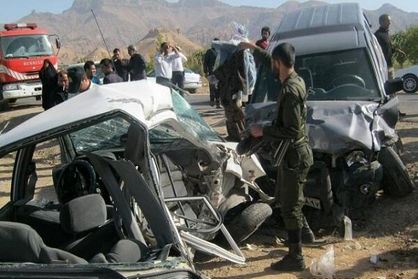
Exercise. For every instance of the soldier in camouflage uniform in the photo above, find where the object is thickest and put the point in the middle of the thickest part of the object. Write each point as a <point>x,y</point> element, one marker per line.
<point>290,124</point>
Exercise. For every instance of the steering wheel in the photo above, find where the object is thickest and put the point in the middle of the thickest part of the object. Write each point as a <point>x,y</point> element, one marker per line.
<point>348,79</point>
<point>76,179</point>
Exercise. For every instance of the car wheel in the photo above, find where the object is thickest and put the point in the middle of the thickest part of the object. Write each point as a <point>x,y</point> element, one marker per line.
<point>396,181</point>
<point>192,91</point>
<point>12,101</point>
<point>410,83</point>
<point>248,221</point>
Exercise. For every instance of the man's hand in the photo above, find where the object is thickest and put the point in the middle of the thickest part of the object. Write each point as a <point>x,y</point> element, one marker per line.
<point>256,131</point>
<point>245,45</point>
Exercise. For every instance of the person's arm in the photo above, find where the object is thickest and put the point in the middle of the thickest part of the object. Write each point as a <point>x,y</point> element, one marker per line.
<point>260,55</point>
<point>158,58</point>
<point>205,64</point>
<point>291,120</point>
<point>183,57</point>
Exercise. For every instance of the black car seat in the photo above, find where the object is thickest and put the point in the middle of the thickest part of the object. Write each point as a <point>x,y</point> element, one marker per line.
<point>20,243</point>
<point>85,219</point>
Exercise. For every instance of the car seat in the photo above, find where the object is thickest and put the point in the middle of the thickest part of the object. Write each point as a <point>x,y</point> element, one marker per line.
<point>20,243</point>
<point>85,219</point>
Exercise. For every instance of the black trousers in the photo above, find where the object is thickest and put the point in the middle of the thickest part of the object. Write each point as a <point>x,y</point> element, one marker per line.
<point>178,79</point>
<point>163,81</point>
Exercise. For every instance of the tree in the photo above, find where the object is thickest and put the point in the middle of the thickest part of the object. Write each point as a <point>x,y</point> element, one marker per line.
<point>195,61</point>
<point>398,42</point>
<point>410,45</point>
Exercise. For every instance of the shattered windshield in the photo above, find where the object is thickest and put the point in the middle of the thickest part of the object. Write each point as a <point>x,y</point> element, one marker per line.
<point>191,120</point>
<point>342,75</point>
<point>109,134</point>
<point>26,46</point>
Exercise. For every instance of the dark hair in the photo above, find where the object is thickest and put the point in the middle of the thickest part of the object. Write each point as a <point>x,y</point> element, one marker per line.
<point>265,28</point>
<point>216,39</point>
<point>284,52</point>
<point>106,62</point>
<point>131,47</point>
<point>163,44</point>
<point>382,18</point>
<point>116,50</point>
<point>62,73</point>
<point>88,64</point>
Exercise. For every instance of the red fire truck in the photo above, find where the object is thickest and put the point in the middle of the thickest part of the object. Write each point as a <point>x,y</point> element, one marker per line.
<point>23,49</point>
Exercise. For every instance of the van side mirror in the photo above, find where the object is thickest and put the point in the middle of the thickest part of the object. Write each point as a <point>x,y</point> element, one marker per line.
<point>393,85</point>
<point>58,43</point>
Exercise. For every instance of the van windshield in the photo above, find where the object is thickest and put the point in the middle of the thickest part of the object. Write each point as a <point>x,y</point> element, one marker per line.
<point>342,75</point>
<point>26,46</point>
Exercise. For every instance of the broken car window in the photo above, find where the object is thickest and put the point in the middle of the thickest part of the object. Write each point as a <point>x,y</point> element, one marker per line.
<point>106,135</point>
<point>191,120</point>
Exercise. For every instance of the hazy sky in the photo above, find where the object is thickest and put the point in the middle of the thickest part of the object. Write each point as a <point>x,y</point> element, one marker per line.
<point>16,9</point>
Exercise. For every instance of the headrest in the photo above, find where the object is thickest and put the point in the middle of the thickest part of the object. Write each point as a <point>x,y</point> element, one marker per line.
<point>19,243</point>
<point>83,214</point>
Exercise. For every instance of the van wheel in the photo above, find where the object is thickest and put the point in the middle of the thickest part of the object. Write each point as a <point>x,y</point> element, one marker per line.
<point>410,83</point>
<point>396,181</point>
<point>248,221</point>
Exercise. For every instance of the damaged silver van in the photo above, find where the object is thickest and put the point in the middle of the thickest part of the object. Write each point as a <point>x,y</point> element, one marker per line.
<point>352,111</point>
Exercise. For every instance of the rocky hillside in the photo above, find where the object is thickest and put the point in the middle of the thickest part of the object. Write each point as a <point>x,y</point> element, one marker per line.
<point>129,21</point>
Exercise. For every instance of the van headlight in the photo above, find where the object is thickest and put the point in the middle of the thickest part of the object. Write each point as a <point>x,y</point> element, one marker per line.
<point>8,87</point>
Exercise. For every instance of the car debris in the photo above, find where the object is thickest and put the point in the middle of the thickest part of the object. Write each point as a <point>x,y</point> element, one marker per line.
<point>352,113</point>
<point>144,166</point>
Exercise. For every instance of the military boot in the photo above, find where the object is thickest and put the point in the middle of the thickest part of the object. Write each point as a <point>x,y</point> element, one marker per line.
<point>308,236</point>
<point>291,262</point>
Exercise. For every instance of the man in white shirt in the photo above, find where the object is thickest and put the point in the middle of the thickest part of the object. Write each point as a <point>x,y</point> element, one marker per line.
<point>163,61</point>
<point>178,70</point>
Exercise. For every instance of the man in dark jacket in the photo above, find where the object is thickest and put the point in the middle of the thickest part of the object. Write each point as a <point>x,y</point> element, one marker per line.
<point>289,125</point>
<point>208,65</point>
<point>107,69</point>
<point>121,65</point>
<point>383,37</point>
<point>136,64</point>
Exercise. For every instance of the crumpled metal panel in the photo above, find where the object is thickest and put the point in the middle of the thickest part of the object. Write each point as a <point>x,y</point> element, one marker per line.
<point>338,126</point>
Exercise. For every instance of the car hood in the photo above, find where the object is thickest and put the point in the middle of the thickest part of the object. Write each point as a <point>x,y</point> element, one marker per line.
<point>339,126</point>
<point>335,127</point>
<point>139,99</point>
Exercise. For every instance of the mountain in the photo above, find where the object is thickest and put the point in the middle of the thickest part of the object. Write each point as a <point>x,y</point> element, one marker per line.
<point>125,22</point>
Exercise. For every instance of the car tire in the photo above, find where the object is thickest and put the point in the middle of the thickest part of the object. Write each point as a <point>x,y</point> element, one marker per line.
<point>396,181</point>
<point>248,221</point>
<point>192,91</point>
<point>410,83</point>
<point>12,101</point>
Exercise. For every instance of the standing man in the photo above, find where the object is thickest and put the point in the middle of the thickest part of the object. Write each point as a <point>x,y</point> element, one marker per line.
<point>383,37</point>
<point>177,77</point>
<point>136,64</point>
<point>121,65</point>
<point>208,67</point>
<point>290,124</point>
<point>265,35</point>
<point>78,81</point>
<point>107,69</point>
<point>62,88</point>
<point>163,61</point>
<point>90,69</point>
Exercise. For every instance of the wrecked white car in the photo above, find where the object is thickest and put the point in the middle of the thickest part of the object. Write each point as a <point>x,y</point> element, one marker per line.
<point>352,112</point>
<point>125,179</point>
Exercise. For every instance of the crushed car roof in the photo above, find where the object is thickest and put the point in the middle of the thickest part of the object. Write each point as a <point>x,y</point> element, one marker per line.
<point>140,99</point>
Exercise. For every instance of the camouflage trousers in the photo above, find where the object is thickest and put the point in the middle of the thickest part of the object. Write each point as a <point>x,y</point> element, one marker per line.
<point>291,179</point>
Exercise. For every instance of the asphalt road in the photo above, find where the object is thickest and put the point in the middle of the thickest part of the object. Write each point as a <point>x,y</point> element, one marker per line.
<point>408,104</point>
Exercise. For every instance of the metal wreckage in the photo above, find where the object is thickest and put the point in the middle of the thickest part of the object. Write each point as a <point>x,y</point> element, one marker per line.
<point>352,113</point>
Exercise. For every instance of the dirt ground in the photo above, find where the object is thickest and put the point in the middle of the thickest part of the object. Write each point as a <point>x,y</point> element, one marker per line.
<point>387,232</point>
